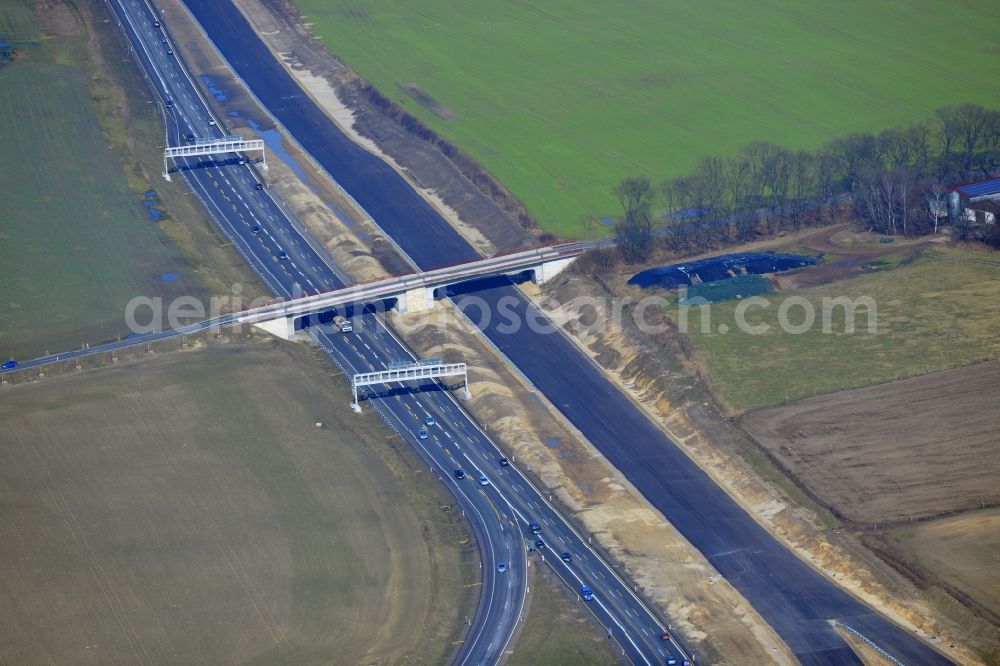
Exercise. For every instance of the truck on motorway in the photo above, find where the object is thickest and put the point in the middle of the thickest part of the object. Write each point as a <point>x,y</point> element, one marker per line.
<point>343,324</point>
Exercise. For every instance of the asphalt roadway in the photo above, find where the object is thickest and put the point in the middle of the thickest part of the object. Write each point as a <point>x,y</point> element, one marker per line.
<point>796,600</point>
<point>499,508</point>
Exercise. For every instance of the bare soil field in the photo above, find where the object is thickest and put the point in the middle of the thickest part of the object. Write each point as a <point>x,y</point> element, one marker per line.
<point>187,509</point>
<point>911,449</point>
<point>963,551</point>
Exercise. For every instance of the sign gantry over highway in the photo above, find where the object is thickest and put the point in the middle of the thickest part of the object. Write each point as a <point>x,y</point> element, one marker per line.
<point>407,372</point>
<point>229,144</point>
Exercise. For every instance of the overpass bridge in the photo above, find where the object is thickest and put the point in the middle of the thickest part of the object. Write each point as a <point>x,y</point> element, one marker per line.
<point>412,292</point>
<point>415,291</point>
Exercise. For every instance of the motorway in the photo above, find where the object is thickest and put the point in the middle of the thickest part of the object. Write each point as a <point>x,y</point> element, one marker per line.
<point>796,600</point>
<point>499,510</point>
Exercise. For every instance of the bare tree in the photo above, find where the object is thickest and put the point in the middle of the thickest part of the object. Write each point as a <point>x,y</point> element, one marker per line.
<point>921,139</point>
<point>857,153</point>
<point>777,177</point>
<point>894,148</point>
<point>974,125</point>
<point>883,199</point>
<point>950,127</point>
<point>739,209</point>
<point>676,197</point>
<point>935,203</point>
<point>712,171</point>
<point>636,197</point>
<point>893,179</point>
<point>672,194</point>
<point>829,174</point>
<point>803,184</point>
<point>904,185</point>
<point>758,154</point>
<point>635,231</point>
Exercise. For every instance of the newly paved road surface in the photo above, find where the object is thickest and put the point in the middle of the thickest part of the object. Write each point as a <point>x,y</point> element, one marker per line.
<point>500,509</point>
<point>796,600</point>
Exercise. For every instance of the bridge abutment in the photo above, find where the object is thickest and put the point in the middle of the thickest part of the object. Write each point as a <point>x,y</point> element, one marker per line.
<point>548,270</point>
<point>415,300</point>
<point>283,327</point>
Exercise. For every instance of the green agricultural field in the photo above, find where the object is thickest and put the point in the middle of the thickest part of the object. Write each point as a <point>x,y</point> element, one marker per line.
<point>75,241</point>
<point>561,99</point>
<point>941,311</point>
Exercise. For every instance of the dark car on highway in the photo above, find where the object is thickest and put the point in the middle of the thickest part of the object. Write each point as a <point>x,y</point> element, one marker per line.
<point>566,557</point>
<point>459,474</point>
<point>9,365</point>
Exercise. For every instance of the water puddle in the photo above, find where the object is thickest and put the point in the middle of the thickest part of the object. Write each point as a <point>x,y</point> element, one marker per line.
<point>272,138</point>
<point>151,202</point>
<point>218,93</point>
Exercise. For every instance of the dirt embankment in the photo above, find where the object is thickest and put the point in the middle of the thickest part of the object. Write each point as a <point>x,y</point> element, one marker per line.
<point>473,201</point>
<point>661,376</point>
<point>705,609</point>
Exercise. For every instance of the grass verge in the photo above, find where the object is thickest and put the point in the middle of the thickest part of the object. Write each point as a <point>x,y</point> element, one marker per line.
<point>555,631</point>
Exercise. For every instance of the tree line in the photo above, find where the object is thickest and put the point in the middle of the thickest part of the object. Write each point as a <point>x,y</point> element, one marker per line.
<point>894,180</point>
